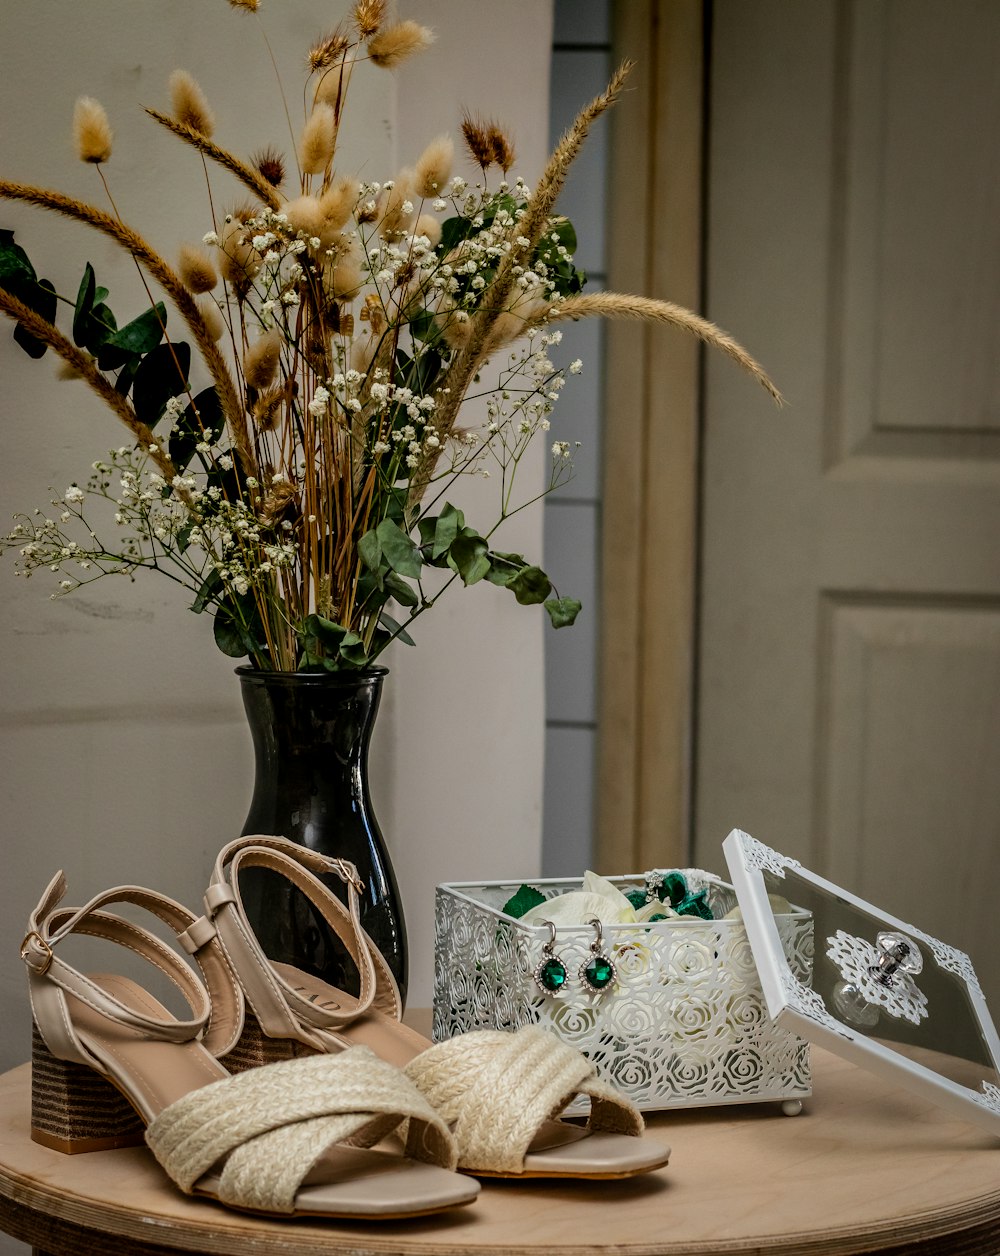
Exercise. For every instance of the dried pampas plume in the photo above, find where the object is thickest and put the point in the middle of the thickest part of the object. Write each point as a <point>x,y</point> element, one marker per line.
<point>393,44</point>
<point>260,362</point>
<point>319,137</point>
<point>189,104</point>
<point>196,269</point>
<point>91,131</point>
<point>434,166</point>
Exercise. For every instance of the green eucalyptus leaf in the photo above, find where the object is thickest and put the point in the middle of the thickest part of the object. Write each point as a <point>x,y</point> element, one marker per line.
<point>563,611</point>
<point>126,376</point>
<point>96,331</point>
<point>398,549</point>
<point>136,339</point>
<point>202,420</point>
<point>17,276</point>
<point>370,550</point>
<point>162,374</point>
<point>43,301</point>
<point>447,526</point>
<point>16,271</point>
<point>325,631</point>
<point>395,628</point>
<point>468,556</point>
<point>368,584</point>
<point>422,326</point>
<point>394,503</point>
<point>424,370</point>
<point>453,231</point>
<point>85,297</point>
<point>504,566</point>
<point>211,586</point>
<point>400,590</point>
<point>237,627</point>
<point>530,586</point>
<point>352,648</point>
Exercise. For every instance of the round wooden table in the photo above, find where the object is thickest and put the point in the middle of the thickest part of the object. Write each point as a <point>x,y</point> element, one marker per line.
<point>867,1168</point>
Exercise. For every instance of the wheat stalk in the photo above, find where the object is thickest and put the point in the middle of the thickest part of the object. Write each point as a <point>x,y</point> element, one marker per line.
<point>650,310</point>
<point>85,367</point>
<point>531,227</point>
<point>235,165</point>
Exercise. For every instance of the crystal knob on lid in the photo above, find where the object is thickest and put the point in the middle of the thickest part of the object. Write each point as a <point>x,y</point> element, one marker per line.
<point>897,952</point>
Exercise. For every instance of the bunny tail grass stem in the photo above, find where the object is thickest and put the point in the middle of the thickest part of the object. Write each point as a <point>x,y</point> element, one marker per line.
<point>246,174</point>
<point>649,310</point>
<point>185,303</point>
<point>84,366</point>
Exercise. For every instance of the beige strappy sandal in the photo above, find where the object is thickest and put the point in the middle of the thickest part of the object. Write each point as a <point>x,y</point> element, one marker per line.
<point>500,1093</point>
<point>111,1066</point>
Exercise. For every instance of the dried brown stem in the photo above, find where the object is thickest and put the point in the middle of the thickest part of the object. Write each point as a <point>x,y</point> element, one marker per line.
<point>253,179</point>
<point>185,303</point>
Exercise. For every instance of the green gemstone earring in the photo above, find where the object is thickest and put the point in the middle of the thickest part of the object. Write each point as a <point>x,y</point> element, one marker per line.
<point>598,972</point>
<point>550,974</point>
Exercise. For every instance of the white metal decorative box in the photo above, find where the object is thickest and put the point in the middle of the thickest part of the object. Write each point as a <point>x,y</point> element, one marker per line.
<point>683,1024</point>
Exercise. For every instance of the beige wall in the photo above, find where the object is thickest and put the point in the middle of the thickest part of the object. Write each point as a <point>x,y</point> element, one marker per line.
<point>125,755</point>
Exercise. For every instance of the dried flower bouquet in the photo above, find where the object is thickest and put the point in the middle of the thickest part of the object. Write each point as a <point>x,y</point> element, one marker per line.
<point>295,479</point>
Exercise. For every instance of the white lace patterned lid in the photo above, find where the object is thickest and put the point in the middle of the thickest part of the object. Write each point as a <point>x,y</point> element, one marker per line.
<point>880,992</point>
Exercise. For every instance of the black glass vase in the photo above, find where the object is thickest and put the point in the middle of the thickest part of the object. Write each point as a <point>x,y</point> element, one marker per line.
<point>311,732</point>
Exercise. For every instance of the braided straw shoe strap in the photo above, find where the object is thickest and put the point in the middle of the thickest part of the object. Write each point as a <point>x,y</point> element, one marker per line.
<point>274,1122</point>
<point>497,1089</point>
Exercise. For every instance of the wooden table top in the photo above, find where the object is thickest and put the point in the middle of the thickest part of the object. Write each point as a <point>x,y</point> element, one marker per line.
<point>866,1168</point>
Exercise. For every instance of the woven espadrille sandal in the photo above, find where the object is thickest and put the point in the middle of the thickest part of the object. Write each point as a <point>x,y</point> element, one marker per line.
<point>111,1067</point>
<point>499,1092</point>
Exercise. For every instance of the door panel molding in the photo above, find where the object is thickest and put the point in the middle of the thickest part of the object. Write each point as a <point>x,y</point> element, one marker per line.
<point>908,380</point>
<point>652,410</point>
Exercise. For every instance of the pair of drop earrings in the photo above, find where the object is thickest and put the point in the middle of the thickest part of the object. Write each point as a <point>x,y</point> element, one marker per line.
<point>596,973</point>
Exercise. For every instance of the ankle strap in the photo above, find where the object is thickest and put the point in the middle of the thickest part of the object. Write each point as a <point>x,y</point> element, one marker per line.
<point>217,1005</point>
<point>279,1007</point>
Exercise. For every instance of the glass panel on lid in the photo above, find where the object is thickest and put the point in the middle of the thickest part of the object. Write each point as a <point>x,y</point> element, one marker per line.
<point>887,985</point>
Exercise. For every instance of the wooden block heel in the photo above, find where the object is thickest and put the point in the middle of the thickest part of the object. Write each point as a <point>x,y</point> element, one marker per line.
<point>254,1048</point>
<point>73,1109</point>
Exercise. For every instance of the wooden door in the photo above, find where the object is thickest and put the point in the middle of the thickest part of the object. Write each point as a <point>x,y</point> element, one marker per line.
<point>849,676</point>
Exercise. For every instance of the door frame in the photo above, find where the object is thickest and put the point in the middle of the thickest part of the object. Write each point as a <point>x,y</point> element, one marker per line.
<point>653,396</point>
